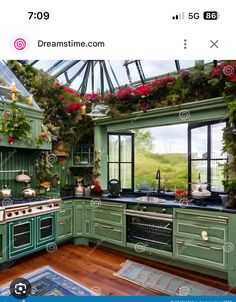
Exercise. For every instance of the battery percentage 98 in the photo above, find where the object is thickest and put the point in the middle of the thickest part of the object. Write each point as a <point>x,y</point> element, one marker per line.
<point>210,15</point>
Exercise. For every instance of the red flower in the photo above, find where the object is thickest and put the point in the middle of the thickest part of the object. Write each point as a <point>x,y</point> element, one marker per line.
<point>69,90</point>
<point>215,72</point>
<point>10,140</point>
<point>61,97</point>
<point>162,82</point>
<point>232,78</point>
<point>143,90</point>
<point>92,96</point>
<point>74,106</point>
<point>124,93</point>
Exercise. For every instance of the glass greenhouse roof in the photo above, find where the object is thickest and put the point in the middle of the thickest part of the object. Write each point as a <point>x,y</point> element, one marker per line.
<point>96,76</point>
<point>6,79</point>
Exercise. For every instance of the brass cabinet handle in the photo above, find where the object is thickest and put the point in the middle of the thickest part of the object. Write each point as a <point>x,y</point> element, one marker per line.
<point>203,245</point>
<point>218,219</point>
<point>106,226</point>
<point>111,205</point>
<point>216,248</point>
<point>204,235</point>
<point>180,241</point>
<point>63,211</point>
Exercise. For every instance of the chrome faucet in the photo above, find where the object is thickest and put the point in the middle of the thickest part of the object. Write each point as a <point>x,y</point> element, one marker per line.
<point>158,176</point>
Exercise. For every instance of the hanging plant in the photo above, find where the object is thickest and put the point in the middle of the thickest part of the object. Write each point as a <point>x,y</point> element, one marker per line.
<point>15,125</point>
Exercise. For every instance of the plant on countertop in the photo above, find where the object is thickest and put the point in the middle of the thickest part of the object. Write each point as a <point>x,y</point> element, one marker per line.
<point>15,125</point>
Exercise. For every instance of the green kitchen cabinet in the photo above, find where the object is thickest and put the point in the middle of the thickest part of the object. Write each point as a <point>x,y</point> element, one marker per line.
<point>79,220</point>
<point>200,238</point>
<point>82,219</point>
<point>109,223</point>
<point>64,229</point>
<point>64,224</point>
<point>109,233</point>
<point>45,230</point>
<point>87,225</point>
<point>3,244</point>
<point>21,237</point>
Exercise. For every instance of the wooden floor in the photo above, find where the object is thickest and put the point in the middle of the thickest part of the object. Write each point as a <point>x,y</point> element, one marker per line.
<point>94,266</point>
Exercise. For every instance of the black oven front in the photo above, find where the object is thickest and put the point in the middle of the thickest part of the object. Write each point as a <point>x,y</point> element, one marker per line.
<point>150,229</point>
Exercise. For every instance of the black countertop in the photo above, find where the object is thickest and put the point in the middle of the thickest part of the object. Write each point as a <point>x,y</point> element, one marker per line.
<point>170,203</point>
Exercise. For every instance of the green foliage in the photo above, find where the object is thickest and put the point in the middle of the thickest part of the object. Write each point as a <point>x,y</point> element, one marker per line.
<point>173,167</point>
<point>143,140</point>
<point>16,125</point>
<point>229,147</point>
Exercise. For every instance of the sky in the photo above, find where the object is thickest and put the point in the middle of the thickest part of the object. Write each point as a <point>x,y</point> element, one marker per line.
<point>151,68</point>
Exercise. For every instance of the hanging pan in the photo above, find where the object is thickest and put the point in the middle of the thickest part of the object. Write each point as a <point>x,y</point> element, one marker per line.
<point>23,177</point>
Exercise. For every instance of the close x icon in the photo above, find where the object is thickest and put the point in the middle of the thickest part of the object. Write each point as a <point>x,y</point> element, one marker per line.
<point>214,44</point>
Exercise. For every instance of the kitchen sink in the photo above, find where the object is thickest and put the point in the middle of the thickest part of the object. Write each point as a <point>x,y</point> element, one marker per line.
<point>150,199</point>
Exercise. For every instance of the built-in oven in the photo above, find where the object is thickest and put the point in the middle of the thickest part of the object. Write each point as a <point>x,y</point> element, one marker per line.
<point>150,225</point>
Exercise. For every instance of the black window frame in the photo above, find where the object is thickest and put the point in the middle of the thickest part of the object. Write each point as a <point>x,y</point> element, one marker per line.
<point>192,126</point>
<point>119,134</point>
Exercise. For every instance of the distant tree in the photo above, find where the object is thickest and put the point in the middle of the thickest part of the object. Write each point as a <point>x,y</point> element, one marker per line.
<point>143,140</point>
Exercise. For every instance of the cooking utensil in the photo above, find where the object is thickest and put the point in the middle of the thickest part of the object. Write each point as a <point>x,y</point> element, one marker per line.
<point>28,192</point>
<point>5,192</point>
<point>23,177</point>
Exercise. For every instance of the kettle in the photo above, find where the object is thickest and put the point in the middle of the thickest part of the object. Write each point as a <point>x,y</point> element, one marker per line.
<point>114,188</point>
<point>5,192</point>
<point>28,192</point>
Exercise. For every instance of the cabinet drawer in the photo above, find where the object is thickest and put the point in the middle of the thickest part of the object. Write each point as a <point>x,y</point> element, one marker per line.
<point>197,252</point>
<point>108,233</point>
<point>108,216</point>
<point>112,206</point>
<point>203,218</point>
<point>206,232</point>
<point>65,212</point>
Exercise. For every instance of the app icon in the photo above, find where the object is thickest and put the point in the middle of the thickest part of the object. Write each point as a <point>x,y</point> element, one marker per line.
<point>19,44</point>
<point>20,288</point>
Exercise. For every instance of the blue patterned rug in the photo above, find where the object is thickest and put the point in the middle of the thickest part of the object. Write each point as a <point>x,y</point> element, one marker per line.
<point>48,282</point>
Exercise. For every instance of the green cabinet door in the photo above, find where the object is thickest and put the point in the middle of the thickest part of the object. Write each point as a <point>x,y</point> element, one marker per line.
<point>64,229</point>
<point>78,220</point>
<point>87,223</point>
<point>21,239</point>
<point>45,229</point>
<point>3,244</point>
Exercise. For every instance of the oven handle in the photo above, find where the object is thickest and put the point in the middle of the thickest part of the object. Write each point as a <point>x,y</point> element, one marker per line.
<point>150,215</point>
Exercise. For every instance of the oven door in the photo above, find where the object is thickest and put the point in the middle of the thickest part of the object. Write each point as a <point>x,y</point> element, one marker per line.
<point>152,231</point>
<point>45,229</point>
<point>20,237</point>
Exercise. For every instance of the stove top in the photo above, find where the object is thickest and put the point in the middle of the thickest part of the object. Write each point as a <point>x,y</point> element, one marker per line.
<point>18,201</point>
<point>13,209</point>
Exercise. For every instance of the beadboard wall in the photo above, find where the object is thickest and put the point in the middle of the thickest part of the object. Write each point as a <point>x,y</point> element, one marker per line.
<point>16,159</point>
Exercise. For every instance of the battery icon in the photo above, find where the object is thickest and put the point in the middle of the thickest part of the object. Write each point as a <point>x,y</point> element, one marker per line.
<point>211,15</point>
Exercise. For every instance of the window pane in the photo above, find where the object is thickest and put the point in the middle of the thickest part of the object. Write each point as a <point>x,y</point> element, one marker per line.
<point>217,175</point>
<point>199,166</point>
<point>125,175</point>
<point>216,140</point>
<point>199,143</point>
<point>113,171</point>
<point>113,148</point>
<point>125,148</point>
